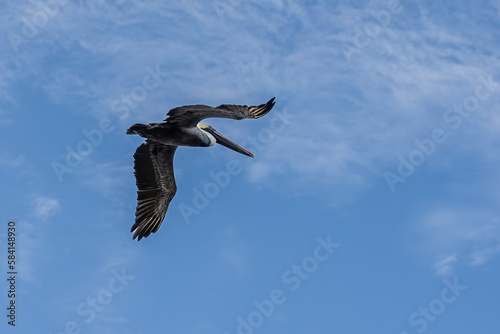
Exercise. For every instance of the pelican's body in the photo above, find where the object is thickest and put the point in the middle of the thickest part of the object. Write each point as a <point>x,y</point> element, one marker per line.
<point>153,160</point>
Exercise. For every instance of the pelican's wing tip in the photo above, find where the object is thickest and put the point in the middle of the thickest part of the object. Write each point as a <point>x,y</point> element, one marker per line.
<point>272,102</point>
<point>263,109</point>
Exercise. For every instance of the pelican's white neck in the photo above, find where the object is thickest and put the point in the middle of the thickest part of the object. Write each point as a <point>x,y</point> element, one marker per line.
<point>209,135</point>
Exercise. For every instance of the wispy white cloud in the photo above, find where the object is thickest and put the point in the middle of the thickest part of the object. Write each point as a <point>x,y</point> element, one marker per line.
<point>455,236</point>
<point>480,257</point>
<point>45,207</point>
<point>445,267</point>
<point>7,160</point>
<point>361,114</point>
<point>31,239</point>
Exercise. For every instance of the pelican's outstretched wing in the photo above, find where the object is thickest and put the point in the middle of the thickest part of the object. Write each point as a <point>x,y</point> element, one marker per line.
<point>154,173</point>
<point>189,116</point>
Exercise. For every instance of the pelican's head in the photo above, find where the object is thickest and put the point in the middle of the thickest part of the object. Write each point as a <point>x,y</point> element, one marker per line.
<point>216,137</point>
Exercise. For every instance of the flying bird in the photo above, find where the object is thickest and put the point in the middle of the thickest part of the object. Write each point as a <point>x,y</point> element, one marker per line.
<point>153,160</point>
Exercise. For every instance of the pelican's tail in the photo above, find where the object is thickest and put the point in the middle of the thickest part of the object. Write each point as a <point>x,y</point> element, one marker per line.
<point>138,129</point>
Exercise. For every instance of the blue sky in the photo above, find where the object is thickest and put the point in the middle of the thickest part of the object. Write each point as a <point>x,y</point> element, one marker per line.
<point>371,204</point>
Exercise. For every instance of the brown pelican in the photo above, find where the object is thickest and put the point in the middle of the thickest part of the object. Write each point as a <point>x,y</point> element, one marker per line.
<point>153,160</point>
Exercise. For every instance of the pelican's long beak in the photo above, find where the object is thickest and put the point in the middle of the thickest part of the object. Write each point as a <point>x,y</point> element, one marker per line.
<point>226,142</point>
